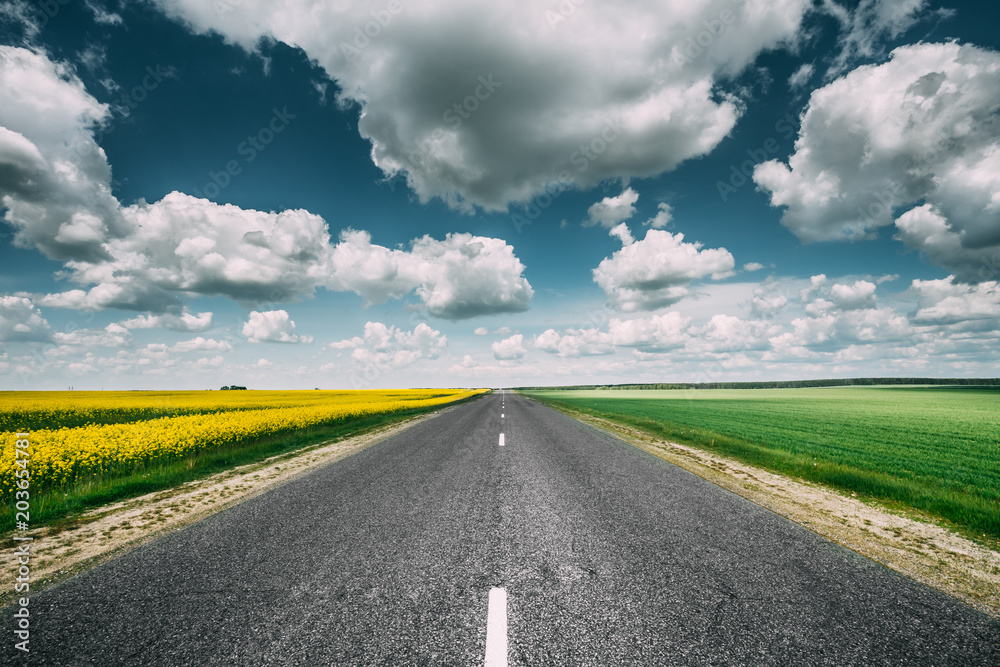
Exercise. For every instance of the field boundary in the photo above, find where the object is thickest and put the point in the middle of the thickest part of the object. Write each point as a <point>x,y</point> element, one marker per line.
<point>101,534</point>
<point>916,545</point>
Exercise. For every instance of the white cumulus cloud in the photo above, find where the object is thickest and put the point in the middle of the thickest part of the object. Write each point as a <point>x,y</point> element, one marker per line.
<point>947,302</point>
<point>21,321</point>
<point>453,98</point>
<point>509,348</point>
<point>384,347</point>
<point>575,342</point>
<point>200,344</point>
<point>153,257</point>
<point>656,271</point>
<point>611,211</point>
<point>924,143</point>
<point>183,322</point>
<point>664,215</point>
<point>272,326</point>
<point>460,277</point>
<point>55,181</point>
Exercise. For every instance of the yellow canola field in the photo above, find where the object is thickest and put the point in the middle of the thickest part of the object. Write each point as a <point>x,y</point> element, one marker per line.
<point>63,456</point>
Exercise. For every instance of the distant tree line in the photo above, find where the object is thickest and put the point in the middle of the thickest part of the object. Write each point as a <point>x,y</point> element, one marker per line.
<point>782,384</point>
<point>230,387</point>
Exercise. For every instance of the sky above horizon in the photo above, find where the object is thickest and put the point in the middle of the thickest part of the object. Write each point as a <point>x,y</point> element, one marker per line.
<point>386,194</point>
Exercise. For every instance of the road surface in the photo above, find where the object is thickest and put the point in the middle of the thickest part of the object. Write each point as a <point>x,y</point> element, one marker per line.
<point>565,545</point>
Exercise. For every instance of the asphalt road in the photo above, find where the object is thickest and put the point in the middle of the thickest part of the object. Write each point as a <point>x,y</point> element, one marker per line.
<point>607,556</point>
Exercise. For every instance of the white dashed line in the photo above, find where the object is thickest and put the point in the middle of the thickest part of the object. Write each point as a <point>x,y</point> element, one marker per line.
<point>496,628</point>
<point>501,439</point>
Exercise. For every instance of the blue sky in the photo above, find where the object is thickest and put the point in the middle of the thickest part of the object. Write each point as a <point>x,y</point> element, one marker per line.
<point>292,195</point>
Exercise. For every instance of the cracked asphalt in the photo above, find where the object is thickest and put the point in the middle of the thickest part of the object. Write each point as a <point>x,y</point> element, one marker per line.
<point>609,556</point>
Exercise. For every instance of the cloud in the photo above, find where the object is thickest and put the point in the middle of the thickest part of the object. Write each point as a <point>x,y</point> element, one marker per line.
<point>925,138</point>
<point>575,342</point>
<point>727,333</point>
<point>947,302</point>
<point>102,15</point>
<point>481,331</point>
<point>849,332</point>
<point>664,215</point>
<point>801,76</point>
<point>509,348</point>
<point>925,229</point>
<point>21,321</point>
<point>183,322</point>
<point>752,266</point>
<point>835,330</point>
<point>871,22</point>
<point>652,334</point>
<point>767,300</point>
<point>112,335</point>
<point>272,326</point>
<point>655,272</point>
<point>183,246</point>
<point>655,333</point>
<point>822,297</point>
<point>153,257</point>
<point>853,297</point>
<point>460,277</point>
<point>611,211</point>
<point>54,178</point>
<point>605,105</point>
<point>385,347</point>
<point>200,344</point>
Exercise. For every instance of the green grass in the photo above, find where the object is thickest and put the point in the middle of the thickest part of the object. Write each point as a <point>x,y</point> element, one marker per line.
<point>935,449</point>
<point>60,506</point>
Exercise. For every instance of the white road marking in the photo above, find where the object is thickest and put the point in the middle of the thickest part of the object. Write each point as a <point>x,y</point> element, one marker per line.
<point>496,629</point>
<point>501,415</point>
<point>501,439</point>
